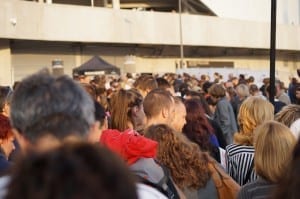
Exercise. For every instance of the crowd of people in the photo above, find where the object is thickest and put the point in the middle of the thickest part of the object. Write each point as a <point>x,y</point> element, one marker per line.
<point>148,136</point>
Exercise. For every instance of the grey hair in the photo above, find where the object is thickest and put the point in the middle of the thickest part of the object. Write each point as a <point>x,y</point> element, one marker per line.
<point>242,90</point>
<point>46,103</point>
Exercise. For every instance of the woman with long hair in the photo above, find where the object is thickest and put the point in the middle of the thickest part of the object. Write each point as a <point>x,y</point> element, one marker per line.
<point>187,164</point>
<point>199,130</point>
<point>288,187</point>
<point>127,111</point>
<point>239,156</point>
<point>208,114</point>
<point>273,144</point>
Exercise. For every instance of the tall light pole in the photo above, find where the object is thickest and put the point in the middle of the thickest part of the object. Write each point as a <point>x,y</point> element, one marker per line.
<point>180,33</point>
<point>272,50</point>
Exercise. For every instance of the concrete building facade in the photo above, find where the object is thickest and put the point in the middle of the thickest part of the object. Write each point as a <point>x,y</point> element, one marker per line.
<point>139,36</point>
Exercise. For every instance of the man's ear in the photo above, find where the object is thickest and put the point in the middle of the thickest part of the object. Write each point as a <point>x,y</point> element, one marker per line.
<point>105,124</point>
<point>24,144</point>
<point>94,133</point>
<point>165,113</point>
<point>6,110</point>
<point>95,127</point>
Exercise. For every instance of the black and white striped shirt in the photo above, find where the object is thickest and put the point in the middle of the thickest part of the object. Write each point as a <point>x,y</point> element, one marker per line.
<point>238,162</point>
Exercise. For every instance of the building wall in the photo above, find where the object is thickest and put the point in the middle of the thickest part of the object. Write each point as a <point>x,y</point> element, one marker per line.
<point>24,20</point>
<point>26,63</point>
<point>55,22</point>
<point>6,72</point>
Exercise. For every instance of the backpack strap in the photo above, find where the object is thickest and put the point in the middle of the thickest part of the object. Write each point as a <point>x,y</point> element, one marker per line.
<point>163,181</point>
<point>167,184</point>
<point>151,184</point>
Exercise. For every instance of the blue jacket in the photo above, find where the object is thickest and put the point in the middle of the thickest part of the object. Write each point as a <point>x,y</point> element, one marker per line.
<point>4,164</point>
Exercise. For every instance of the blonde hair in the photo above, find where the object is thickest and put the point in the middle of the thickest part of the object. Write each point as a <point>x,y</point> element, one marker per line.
<point>253,112</point>
<point>274,144</point>
<point>288,114</point>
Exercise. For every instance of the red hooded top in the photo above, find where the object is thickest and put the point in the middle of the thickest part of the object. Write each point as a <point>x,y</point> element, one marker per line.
<point>129,144</point>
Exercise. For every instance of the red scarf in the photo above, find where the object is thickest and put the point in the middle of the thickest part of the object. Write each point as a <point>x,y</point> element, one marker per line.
<point>129,144</point>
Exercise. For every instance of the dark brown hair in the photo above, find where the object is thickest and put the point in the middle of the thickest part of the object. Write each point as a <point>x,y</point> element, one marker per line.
<point>197,127</point>
<point>74,170</point>
<point>217,90</point>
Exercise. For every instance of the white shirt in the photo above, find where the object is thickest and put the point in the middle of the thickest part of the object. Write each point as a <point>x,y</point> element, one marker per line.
<point>147,192</point>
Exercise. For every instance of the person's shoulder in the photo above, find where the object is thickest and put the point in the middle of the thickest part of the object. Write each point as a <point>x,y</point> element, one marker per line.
<point>223,100</point>
<point>248,190</point>
<point>234,149</point>
<point>209,191</point>
<point>259,188</point>
<point>149,169</point>
<point>245,191</point>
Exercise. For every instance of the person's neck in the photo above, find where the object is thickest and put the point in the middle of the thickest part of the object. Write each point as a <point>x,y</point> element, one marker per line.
<point>154,121</point>
<point>280,92</point>
<point>130,125</point>
<point>4,113</point>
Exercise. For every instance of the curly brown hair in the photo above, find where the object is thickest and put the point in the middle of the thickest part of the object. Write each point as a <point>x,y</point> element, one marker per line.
<point>187,164</point>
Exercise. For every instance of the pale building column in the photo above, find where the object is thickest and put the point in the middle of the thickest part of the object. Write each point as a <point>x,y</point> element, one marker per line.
<point>6,74</point>
<point>116,4</point>
<point>105,3</point>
